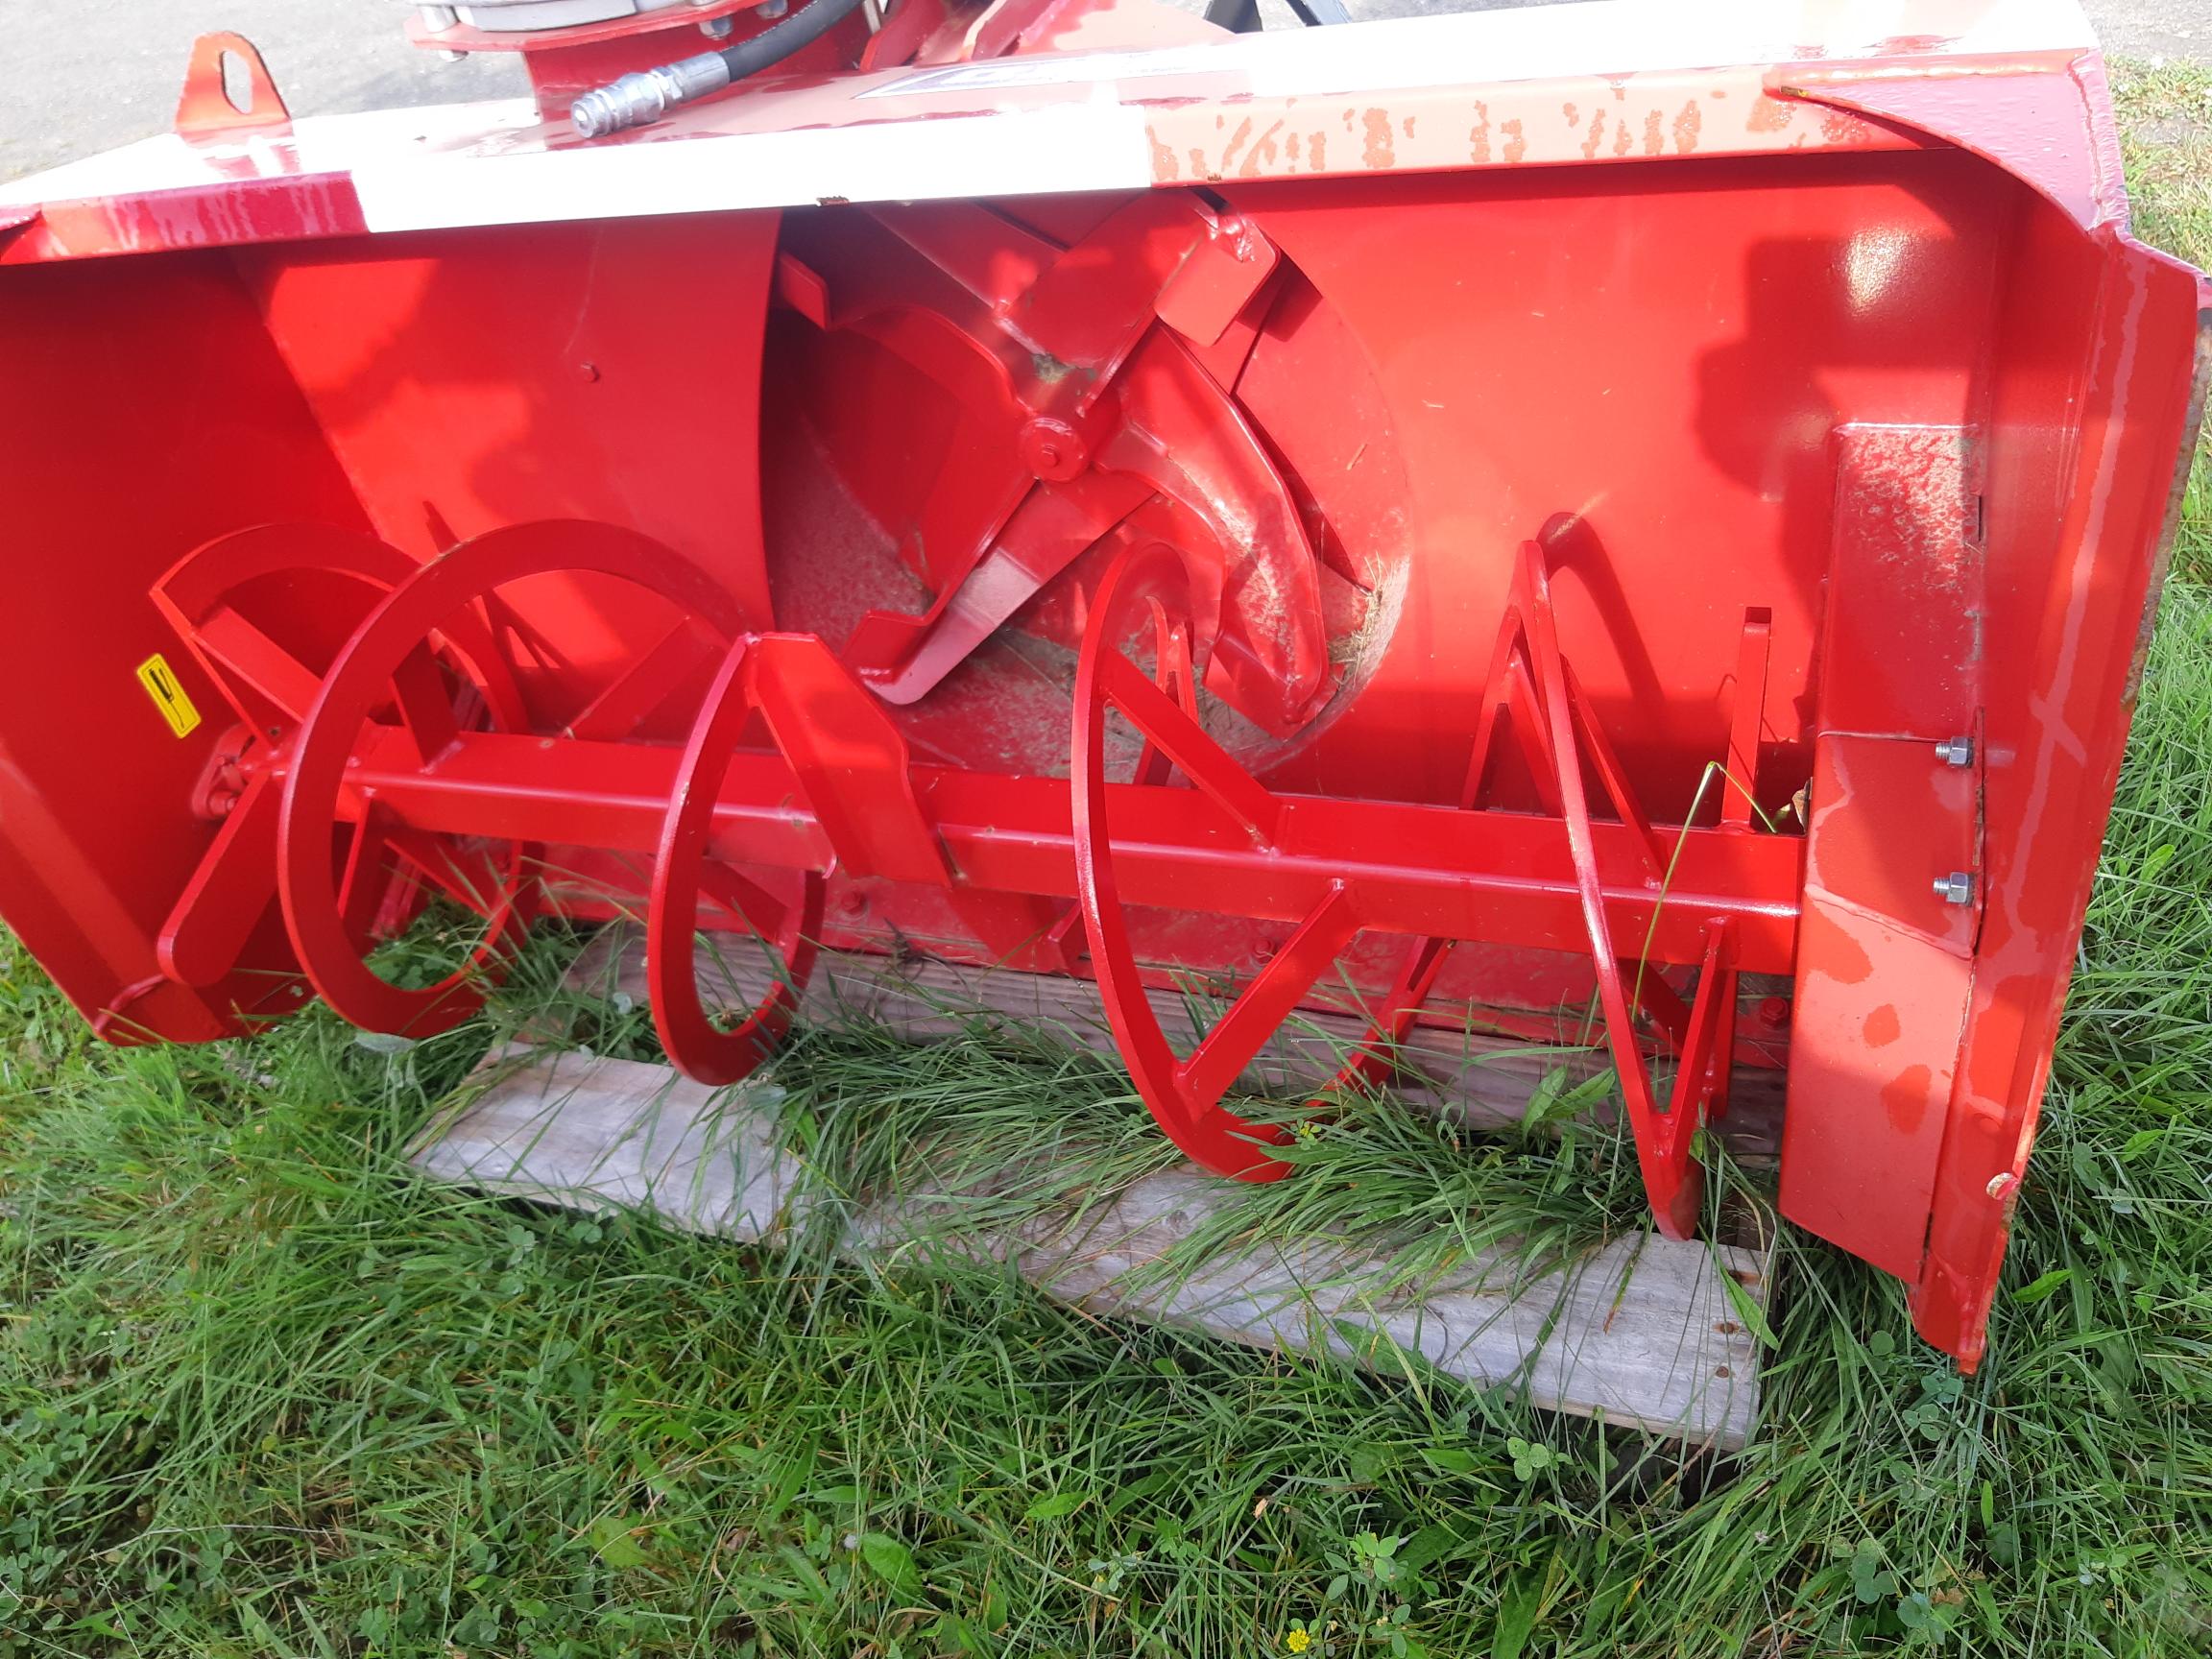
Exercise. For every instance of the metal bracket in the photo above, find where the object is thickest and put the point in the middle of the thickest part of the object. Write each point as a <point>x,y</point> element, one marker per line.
<point>208,105</point>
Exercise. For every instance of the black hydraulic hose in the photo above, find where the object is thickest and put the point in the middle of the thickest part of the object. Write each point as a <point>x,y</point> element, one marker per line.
<point>648,96</point>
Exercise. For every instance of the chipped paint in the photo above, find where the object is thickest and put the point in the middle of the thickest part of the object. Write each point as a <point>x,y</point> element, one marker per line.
<point>1379,151</point>
<point>1770,114</point>
<point>1686,126</point>
<point>1597,135</point>
<point>1164,170</point>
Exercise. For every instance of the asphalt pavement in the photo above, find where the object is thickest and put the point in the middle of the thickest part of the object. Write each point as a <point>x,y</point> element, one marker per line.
<point>92,74</point>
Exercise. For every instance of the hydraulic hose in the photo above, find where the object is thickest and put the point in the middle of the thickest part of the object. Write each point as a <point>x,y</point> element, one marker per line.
<point>636,99</point>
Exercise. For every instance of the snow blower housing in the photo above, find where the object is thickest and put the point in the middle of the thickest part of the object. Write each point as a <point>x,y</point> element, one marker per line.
<point>1464,520</point>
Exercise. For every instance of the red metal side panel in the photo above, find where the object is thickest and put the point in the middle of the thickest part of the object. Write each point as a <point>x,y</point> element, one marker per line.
<point>2066,635</point>
<point>607,371</point>
<point>1883,971</point>
<point>142,412</point>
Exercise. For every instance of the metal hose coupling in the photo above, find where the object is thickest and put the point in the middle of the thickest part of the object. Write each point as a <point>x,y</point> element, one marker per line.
<point>636,99</point>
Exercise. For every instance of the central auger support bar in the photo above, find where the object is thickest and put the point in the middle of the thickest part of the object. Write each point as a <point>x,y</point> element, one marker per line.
<point>405,766</point>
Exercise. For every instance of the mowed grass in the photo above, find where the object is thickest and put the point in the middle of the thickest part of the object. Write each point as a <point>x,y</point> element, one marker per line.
<point>262,1392</point>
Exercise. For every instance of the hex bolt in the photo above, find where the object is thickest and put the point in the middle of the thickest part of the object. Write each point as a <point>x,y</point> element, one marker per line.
<point>718,27</point>
<point>1956,888</point>
<point>1955,750</point>
<point>773,8</point>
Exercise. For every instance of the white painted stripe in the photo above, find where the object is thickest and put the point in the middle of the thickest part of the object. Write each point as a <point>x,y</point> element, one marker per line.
<point>488,164</point>
<point>1476,49</point>
<point>314,144</point>
<point>1072,147</point>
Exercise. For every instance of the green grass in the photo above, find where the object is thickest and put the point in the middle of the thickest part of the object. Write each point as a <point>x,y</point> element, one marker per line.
<point>262,1392</point>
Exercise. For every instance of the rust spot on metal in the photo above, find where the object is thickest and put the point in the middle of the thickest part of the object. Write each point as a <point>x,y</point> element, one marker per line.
<point>1479,136</point>
<point>1407,126</point>
<point>1727,1327</point>
<point>1290,149</point>
<point>1573,114</point>
<point>1905,1097</point>
<point>1882,1027</point>
<point>1516,146</point>
<point>1379,151</point>
<point>1686,126</point>
<point>1197,163</point>
<point>1770,114</point>
<point>1624,139</point>
<point>1654,137</point>
<point>1317,151</point>
<point>1596,135</point>
<point>1722,1371</point>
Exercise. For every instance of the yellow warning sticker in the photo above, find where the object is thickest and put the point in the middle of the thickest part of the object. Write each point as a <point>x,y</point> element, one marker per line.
<point>168,694</point>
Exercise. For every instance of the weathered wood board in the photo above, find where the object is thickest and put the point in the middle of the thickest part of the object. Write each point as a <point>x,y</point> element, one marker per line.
<point>1644,1332</point>
<point>1483,1080</point>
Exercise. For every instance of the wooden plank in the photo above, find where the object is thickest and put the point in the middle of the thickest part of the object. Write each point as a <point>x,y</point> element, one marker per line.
<point>1641,1331</point>
<point>1483,1080</point>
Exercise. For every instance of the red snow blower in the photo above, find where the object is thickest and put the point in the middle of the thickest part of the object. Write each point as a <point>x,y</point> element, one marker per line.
<point>1456,521</point>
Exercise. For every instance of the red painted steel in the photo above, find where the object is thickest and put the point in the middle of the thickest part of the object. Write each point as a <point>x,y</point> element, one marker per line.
<point>1530,554</point>
<point>683,869</point>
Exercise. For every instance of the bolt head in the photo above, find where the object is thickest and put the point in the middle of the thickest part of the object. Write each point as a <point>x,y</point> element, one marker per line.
<point>1955,750</point>
<point>1956,888</point>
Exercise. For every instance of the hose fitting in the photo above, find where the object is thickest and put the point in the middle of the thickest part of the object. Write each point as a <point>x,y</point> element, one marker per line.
<point>636,99</point>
